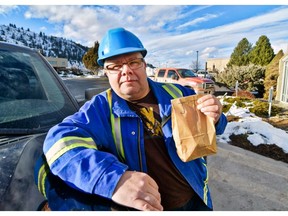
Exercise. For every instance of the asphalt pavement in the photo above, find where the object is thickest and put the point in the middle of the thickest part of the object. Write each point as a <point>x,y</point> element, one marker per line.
<point>241,180</point>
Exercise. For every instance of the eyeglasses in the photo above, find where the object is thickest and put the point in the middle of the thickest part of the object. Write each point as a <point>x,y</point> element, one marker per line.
<point>133,65</point>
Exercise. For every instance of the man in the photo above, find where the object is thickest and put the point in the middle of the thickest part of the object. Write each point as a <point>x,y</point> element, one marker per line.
<point>120,145</point>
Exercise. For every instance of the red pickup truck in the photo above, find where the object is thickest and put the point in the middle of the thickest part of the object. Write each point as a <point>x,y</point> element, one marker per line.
<point>185,77</point>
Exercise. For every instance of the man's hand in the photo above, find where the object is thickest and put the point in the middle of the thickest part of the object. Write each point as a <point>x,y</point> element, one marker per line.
<point>210,106</point>
<point>139,191</point>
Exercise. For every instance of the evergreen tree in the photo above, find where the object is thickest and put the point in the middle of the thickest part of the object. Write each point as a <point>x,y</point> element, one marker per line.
<point>90,58</point>
<point>262,53</point>
<point>271,74</point>
<point>240,55</point>
<point>250,78</point>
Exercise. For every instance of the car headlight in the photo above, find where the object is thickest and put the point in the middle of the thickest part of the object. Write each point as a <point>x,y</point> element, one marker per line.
<point>200,85</point>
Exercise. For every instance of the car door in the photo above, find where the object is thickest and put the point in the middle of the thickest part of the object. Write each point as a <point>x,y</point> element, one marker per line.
<point>171,76</point>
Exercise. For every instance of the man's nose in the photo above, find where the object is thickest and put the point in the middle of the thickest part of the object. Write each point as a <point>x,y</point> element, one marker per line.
<point>126,69</point>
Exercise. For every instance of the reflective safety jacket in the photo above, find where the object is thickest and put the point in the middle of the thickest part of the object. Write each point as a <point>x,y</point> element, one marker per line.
<point>91,149</point>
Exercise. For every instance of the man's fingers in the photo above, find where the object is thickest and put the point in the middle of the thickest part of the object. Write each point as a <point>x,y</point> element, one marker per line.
<point>137,190</point>
<point>145,205</point>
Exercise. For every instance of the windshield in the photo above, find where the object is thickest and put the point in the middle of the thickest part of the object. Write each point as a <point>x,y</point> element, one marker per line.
<point>31,98</point>
<point>186,73</point>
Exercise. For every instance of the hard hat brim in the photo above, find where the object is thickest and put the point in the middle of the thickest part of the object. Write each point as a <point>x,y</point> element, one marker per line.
<point>121,52</point>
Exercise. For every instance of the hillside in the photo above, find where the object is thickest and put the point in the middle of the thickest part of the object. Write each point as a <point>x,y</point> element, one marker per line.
<point>49,45</point>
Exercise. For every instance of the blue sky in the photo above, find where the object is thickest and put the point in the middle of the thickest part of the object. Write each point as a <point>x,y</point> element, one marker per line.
<point>171,33</point>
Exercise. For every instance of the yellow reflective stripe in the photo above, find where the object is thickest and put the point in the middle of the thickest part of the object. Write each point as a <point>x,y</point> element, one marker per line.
<point>116,129</point>
<point>205,188</point>
<point>118,137</point>
<point>173,90</point>
<point>43,172</point>
<point>67,143</point>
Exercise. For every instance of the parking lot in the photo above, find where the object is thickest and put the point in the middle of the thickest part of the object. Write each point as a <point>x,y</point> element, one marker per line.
<point>241,180</point>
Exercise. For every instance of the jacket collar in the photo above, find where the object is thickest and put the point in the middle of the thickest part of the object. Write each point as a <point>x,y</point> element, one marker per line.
<point>121,108</point>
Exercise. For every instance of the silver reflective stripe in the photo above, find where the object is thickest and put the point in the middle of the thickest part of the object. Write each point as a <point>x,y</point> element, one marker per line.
<point>173,90</point>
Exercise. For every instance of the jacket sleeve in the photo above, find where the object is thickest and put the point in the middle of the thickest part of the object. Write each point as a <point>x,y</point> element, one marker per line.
<point>221,124</point>
<point>74,150</point>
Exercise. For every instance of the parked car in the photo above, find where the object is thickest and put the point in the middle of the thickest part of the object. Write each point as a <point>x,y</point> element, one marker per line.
<point>185,77</point>
<point>33,98</point>
<point>205,74</point>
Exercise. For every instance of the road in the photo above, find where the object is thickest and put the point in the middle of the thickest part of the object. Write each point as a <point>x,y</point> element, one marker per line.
<point>241,180</point>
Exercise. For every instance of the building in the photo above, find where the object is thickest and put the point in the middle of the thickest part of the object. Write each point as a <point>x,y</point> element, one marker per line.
<point>150,71</point>
<point>282,81</point>
<point>217,64</point>
<point>58,63</point>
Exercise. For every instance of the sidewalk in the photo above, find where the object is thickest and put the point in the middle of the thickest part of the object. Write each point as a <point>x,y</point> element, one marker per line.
<point>241,180</point>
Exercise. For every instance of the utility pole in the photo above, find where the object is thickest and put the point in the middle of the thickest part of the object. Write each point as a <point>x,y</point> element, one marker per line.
<point>197,61</point>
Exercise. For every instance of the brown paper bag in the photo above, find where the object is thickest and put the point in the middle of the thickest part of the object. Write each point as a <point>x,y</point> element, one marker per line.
<point>193,132</point>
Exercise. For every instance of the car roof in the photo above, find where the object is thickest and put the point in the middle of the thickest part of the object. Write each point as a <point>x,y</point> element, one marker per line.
<point>6,45</point>
<point>174,68</point>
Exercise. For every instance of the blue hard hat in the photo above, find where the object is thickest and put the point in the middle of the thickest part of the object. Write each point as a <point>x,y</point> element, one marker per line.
<point>119,41</point>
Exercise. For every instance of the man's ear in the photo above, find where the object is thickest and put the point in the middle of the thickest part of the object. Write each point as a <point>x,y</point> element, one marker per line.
<point>105,72</point>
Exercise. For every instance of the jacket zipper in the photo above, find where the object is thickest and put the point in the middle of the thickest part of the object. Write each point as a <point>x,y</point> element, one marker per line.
<point>139,147</point>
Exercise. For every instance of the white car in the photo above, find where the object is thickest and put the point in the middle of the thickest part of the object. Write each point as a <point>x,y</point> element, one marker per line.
<point>203,73</point>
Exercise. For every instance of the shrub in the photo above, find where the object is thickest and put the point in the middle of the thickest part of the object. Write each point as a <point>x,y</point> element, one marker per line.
<point>240,101</point>
<point>244,94</point>
<point>260,109</point>
<point>249,77</point>
<point>226,107</point>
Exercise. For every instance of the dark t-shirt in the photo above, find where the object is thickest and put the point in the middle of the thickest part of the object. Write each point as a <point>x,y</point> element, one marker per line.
<point>174,189</point>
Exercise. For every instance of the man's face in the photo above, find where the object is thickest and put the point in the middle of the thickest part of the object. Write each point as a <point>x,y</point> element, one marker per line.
<point>129,81</point>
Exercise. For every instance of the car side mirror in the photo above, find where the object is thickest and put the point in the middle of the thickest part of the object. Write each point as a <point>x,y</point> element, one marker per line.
<point>175,77</point>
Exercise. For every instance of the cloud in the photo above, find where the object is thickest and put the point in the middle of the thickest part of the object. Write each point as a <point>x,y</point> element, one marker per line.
<point>167,31</point>
<point>198,20</point>
<point>43,28</point>
<point>225,38</point>
<point>5,9</point>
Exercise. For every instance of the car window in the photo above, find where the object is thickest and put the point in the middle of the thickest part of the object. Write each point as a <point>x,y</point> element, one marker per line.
<point>171,73</point>
<point>186,73</point>
<point>30,95</point>
<point>161,73</point>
